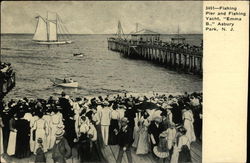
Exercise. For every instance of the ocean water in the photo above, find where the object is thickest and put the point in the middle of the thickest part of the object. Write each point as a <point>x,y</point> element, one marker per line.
<point>98,72</point>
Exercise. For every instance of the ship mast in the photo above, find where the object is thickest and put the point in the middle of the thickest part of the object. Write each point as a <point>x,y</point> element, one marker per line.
<point>178,32</point>
<point>56,29</point>
<point>47,24</point>
<point>119,30</point>
<point>137,25</point>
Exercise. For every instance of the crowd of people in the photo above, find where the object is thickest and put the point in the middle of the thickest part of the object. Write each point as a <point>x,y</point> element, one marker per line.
<point>173,45</point>
<point>162,125</point>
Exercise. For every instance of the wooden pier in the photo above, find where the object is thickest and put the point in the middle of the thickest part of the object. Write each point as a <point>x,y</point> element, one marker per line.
<point>188,60</point>
<point>111,152</point>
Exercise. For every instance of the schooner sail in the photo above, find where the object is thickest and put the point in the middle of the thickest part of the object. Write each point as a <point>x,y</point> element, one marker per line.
<point>48,30</point>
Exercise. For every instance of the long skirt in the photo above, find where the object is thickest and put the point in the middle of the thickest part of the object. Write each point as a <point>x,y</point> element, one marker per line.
<point>135,136</point>
<point>143,142</point>
<point>175,155</point>
<point>1,141</point>
<point>6,133</point>
<point>32,141</point>
<point>52,135</point>
<point>22,145</point>
<point>188,125</point>
<point>99,136</point>
<point>84,151</point>
<point>113,139</point>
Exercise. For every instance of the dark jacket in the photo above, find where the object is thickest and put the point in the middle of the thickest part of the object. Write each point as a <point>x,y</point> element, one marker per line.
<point>125,138</point>
<point>40,156</point>
<point>66,107</point>
<point>155,131</point>
<point>61,150</point>
<point>130,114</point>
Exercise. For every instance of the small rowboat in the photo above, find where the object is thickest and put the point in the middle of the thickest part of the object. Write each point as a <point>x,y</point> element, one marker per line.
<point>62,83</point>
<point>78,54</point>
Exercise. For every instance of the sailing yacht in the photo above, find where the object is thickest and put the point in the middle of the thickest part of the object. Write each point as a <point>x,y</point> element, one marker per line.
<point>48,30</point>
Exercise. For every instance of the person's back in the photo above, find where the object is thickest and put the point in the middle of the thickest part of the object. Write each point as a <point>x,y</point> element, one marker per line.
<point>105,116</point>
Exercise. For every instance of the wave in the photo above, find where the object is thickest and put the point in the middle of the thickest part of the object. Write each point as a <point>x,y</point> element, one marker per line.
<point>14,49</point>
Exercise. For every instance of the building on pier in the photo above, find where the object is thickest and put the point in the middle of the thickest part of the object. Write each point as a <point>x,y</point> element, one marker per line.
<point>145,35</point>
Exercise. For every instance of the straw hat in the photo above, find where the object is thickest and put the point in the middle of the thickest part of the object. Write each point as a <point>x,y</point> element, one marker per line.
<point>59,133</point>
<point>105,103</point>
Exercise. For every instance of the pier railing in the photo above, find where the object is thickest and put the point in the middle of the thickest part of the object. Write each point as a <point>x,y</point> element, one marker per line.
<point>178,56</point>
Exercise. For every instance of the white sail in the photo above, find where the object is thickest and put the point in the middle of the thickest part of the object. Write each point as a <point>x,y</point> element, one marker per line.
<point>41,30</point>
<point>52,31</point>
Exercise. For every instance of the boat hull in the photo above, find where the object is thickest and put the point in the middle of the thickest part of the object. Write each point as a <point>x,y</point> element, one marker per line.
<point>69,85</point>
<point>59,82</point>
<point>53,43</point>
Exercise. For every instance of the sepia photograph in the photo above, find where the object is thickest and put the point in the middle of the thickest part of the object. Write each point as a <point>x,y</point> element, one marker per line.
<point>101,82</point>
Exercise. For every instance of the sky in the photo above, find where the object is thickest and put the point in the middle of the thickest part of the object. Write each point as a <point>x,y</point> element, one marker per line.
<point>101,17</point>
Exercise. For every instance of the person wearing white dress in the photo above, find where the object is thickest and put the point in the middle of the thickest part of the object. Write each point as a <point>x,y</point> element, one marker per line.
<point>56,119</point>
<point>182,140</point>
<point>188,119</point>
<point>41,131</point>
<point>121,109</point>
<point>143,137</point>
<point>1,135</point>
<point>32,140</point>
<point>171,137</point>
<point>47,118</point>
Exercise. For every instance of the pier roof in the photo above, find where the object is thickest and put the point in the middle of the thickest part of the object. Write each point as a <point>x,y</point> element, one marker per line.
<point>145,32</point>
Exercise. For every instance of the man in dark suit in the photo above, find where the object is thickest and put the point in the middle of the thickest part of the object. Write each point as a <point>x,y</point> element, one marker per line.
<point>65,105</point>
<point>125,140</point>
<point>155,129</point>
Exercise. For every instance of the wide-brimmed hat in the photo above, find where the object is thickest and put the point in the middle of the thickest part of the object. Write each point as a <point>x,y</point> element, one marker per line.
<point>158,119</point>
<point>161,150</point>
<point>105,103</point>
<point>59,133</point>
<point>122,106</point>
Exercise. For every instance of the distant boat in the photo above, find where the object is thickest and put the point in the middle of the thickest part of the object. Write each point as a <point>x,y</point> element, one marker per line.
<point>48,30</point>
<point>78,54</point>
<point>65,83</point>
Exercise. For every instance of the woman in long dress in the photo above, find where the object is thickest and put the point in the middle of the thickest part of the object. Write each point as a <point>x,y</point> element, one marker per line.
<point>47,118</point>
<point>136,130</point>
<point>84,141</point>
<point>56,120</point>
<point>143,138</point>
<point>32,135</point>
<point>1,135</point>
<point>188,119</point>
<point>41,131</point>
<point>115,116</point>
<point>179,156</point>
<point>22,139</point>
